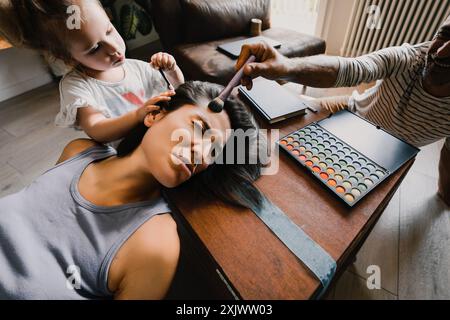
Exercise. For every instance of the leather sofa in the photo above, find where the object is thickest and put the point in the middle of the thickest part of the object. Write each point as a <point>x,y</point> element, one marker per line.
<point>191,30</point>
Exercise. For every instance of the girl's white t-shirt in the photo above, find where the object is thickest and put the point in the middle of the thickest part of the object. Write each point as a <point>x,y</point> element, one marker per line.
<point>141,82</point>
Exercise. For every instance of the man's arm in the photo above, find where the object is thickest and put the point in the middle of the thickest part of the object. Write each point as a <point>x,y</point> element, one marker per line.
<point>322,71</point>
<point>315,71</point>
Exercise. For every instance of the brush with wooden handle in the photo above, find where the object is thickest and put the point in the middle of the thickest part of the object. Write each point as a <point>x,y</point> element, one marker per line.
<point>217,104</point>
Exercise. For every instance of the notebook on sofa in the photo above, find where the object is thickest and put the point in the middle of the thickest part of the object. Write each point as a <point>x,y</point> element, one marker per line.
<point>273,102</point>
<point>233,48</point>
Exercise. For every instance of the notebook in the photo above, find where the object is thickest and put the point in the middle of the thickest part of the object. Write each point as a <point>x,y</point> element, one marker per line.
<point>273,102</point>
<point>233,48</point>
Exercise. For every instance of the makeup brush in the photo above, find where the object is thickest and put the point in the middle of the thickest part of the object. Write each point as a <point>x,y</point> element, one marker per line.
<point>217,104</point>
<point>169,85</point>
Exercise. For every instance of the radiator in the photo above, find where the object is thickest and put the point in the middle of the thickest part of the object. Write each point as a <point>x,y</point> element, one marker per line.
<point>377,24</point>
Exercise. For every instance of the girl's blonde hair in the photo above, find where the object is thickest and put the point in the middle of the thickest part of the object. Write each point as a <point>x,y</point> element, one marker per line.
<point>39,25</point>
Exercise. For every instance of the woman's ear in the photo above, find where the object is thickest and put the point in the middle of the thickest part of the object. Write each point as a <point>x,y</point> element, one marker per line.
<point>153,117</point>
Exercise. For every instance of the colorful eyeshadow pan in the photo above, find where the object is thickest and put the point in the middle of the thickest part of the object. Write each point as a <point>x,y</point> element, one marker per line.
<point>341,168</point>
<point>346,185</point>
<point>349,197</point>
<point>324,176</point>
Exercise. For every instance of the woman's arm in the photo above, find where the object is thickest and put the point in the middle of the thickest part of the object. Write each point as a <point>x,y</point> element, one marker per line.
<point>75,147</point>
<point>145,265</point>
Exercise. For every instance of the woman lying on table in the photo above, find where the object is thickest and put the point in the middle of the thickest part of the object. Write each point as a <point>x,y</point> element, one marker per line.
<point>96,225</point>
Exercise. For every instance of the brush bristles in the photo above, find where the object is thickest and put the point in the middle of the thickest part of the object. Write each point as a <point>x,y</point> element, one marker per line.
<point>216,105</point>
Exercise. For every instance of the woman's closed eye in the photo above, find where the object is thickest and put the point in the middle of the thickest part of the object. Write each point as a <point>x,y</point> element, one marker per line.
<point>94,50</point>
<point>199,125</point>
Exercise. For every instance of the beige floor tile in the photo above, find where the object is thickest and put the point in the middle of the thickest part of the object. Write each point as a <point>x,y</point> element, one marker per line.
<point>381,248</point>
<point>424,255</point>
<point>353,287</point>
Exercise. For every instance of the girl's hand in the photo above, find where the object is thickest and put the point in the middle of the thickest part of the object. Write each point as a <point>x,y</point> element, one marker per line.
<point>151,107</point>
<point>163,61</point>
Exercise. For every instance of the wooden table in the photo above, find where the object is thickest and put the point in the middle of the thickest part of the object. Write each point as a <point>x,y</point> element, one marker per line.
<point>241,258</point>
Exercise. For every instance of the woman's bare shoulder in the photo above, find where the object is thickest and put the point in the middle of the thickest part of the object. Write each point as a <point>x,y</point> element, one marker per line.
<point>145,265</point>
<point>75,147</point>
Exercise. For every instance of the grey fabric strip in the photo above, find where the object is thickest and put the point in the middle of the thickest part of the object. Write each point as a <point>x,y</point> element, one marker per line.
<point>312,255</point>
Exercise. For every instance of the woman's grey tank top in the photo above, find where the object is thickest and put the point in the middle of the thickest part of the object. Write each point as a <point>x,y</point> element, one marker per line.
<point>54,244</point>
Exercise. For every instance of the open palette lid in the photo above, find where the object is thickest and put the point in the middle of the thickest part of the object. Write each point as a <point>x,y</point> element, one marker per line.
<point>381,147</point>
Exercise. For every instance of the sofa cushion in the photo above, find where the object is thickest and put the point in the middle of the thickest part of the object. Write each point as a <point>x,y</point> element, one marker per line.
<point>206,20</point>
<point>168,20</point>
<point>203,61</point>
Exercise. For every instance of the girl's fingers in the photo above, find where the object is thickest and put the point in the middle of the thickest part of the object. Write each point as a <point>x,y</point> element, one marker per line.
<point>165,61</point>
<point>172,63</point>
<point>157,99</point>
<point>156,60</point>
<point>168,93</point>
<point>151,107</point>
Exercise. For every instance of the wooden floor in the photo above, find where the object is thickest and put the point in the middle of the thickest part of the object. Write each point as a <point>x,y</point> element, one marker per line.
<point>410,243</point>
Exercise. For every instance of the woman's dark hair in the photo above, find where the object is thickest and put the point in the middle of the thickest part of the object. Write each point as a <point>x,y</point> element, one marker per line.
<point>38,24</point>
<point>231,183</point>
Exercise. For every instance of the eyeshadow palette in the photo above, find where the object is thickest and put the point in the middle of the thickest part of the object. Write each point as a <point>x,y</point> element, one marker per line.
<point>326,149</point>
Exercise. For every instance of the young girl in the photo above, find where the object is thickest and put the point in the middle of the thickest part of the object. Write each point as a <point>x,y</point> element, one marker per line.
<point>105,94</point>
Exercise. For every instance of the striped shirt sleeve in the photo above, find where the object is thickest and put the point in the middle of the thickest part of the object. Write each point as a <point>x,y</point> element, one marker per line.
<point>375,66</point>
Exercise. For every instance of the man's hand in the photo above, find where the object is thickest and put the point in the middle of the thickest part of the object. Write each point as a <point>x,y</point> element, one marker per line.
<point>270,63</point>
<point>163,61</point>
<point>150,106</point>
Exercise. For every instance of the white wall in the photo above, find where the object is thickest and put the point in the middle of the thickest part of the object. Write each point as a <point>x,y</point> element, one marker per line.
<point>21,70</point>
<point>336,19</point>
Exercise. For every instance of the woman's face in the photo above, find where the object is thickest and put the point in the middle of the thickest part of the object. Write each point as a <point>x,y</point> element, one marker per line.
<point>97,45</point>
<point>178,145</point>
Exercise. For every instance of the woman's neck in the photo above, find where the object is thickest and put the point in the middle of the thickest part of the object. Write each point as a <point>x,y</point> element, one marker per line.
<point>117,181</point>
